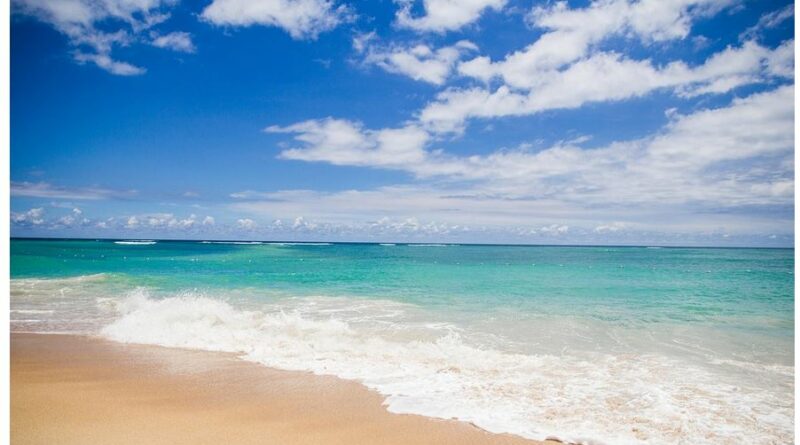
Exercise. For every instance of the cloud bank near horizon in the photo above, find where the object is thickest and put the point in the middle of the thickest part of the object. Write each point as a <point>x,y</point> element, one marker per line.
<point>718,170</point>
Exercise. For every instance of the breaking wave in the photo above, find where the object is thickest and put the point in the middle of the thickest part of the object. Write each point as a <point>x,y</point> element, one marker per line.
<point>432,368</point>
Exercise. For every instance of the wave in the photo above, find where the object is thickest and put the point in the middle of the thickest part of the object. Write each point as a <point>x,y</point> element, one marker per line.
<point>298,244</point>
<point>136,242</point>
<point>232,242</point>
<point>388,244</point>
<point>60,304</point>
<point>431,245</point>
<point>31,311</point>
<point>56,281</point>
<point>621,399</point>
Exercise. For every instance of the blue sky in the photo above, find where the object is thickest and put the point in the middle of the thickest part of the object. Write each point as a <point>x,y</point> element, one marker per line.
<point>607,122</point>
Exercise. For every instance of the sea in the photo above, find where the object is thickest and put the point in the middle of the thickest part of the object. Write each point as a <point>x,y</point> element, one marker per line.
<point>597,345</point>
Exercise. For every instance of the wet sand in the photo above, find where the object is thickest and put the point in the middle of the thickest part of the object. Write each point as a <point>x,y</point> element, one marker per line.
<point>84,391</point>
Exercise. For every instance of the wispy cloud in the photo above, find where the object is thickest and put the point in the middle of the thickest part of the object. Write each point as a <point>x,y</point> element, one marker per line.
<point>95,28</point>
<point>49,191</point>
<point>768,21</point>
<point>176,41</point>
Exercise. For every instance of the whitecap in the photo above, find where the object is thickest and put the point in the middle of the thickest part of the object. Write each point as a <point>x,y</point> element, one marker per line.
<point>591,398</point>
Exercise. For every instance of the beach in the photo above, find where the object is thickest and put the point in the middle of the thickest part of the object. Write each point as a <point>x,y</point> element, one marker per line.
<point>584,344</point>
<point>78,390</point>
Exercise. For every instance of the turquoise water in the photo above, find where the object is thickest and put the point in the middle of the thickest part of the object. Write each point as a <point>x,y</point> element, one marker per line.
<point>565,325</point>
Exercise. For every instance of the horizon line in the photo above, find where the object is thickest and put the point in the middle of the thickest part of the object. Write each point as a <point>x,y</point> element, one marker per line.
<point>665,246</point>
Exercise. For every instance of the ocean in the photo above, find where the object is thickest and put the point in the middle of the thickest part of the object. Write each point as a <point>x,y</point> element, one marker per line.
<point>607,345</point>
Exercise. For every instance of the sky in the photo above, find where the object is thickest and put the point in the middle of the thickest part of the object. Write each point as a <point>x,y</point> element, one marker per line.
<point>649,122</point>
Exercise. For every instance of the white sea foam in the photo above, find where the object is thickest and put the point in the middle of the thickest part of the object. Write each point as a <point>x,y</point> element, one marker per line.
<point>388,244</point>
<point>431,245</point>
<point>297,244</point>
<point>60,304</point>
<point>233,242</point>
<point>428,367</point>
<point>31,311</point>
<point>136,242</point>
<point>434,364</point>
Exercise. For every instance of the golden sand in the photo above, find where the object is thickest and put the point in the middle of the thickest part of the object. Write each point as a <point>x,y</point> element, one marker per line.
<point>78,390</point>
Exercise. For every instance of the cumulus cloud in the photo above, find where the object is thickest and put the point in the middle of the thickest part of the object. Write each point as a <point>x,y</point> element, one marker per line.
<point>34,217</point>
<point>95,27</point>
<point>444,15</point>
<point>106,224</point>
<point>246,224</point>
<point>147,222</point>
<point>132,223</point>
<point>343,142</point>
<point>552,229</point>
<point>605,77</point>
<point>302,19</point>
<point>413,226</point>
<point>566,66</point>
<point>419,62</point>
<point>162,221</point>
<point>570,34</point>
<point>611,227</point>
<point>695,162</point>
<point>300,223</point>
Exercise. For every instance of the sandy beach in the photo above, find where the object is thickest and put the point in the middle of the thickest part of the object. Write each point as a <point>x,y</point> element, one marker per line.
<point>80,390</point>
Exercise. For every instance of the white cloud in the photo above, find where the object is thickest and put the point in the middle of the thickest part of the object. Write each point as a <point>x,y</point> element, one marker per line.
<point>302,19</point>
<point>695,162</point>
<point>176,41</point>
<point>553,229</point>
<point>301,224</point>
<point>105,62</point>
<point>164,221</point>
<point>72,220</point>
<point>780,62</point>
<point>605,77</point>
<point>570,34</point>
<point>343,142</point>
<point>46,190</point>
<point>248,194</point>
<point>122,22</point>
<point>75,218</point>
<point>31,217</point>
<point>566,66</point>
<point>149,222</point>
<point>132,223</point>
<point>246,224</point>
<point>444,15</point>
<point>768,21</point>
<point>611,228</point>
<point>419,62</point>
<point>412,226</point>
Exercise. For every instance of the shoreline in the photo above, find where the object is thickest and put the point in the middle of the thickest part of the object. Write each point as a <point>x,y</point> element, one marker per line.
<point>72,389</point>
